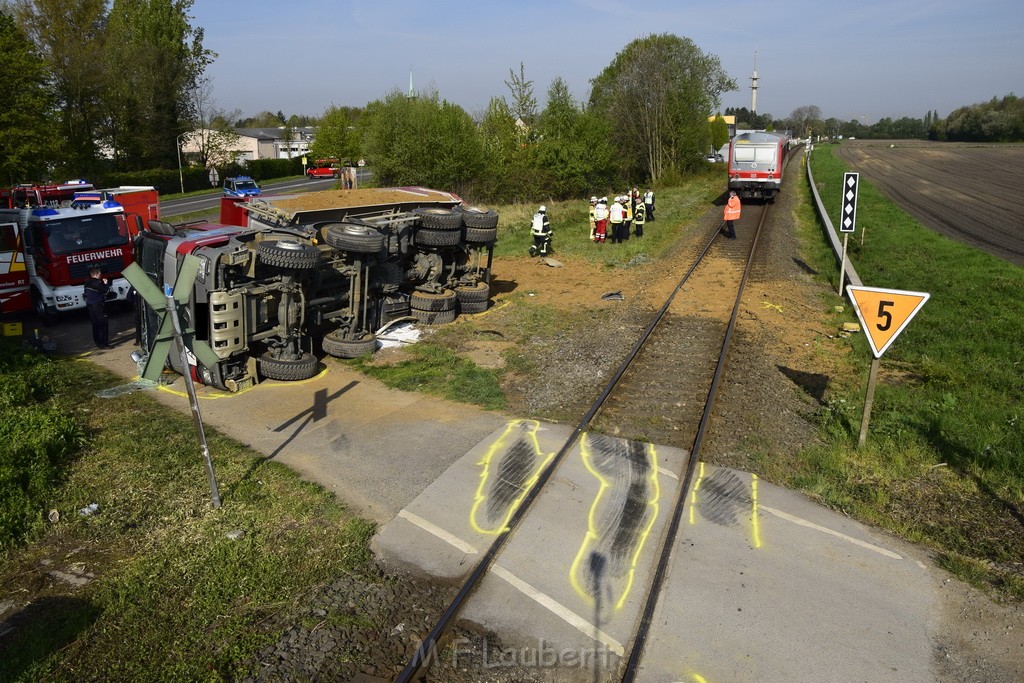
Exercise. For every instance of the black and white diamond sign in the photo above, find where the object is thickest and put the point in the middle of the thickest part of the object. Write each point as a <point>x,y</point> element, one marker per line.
<point>848,215</point>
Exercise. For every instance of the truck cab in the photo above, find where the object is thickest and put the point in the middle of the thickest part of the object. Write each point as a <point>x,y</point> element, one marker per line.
<point>241,186</point>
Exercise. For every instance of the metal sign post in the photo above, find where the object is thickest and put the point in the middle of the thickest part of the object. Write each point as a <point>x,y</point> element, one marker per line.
<point>847,217</point>
<point>883,314</point>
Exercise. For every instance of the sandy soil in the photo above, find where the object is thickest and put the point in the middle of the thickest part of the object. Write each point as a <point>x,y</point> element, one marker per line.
<point>970,192</point>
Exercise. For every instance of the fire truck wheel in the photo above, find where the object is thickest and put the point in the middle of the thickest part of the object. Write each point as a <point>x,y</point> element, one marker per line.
<point>481,235</point>
<point>439,219</point>
<point>335,345</point>
<point>426,301</point>
<point>478,292</point>
<point>353,238</point>
<point>434,317</point>
<point>288,254</point>
<point>47,315</point>
<point>426,237</point>
<point>288,370</point>
<point>475,217</point>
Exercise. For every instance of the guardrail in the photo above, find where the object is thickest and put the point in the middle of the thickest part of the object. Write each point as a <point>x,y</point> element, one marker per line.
<point>851,273</point>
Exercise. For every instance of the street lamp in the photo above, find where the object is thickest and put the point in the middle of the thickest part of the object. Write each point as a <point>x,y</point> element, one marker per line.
<point>181,176</point>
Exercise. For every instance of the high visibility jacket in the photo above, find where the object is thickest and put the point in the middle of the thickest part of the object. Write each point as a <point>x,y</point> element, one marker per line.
<point>649,198</point>
<point>627,212</point>
<point>616,213</point>
<point>541,225</point>
<point>732,209</point>
<point>593,213</point>
<point>641,215</point>
<point>601,212</point>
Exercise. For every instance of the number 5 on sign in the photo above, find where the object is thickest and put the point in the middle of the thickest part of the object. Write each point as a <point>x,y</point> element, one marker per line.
<point>884,313</point>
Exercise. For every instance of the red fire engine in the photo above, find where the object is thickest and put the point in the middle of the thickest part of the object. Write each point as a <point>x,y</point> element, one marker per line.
<point>51,236</point>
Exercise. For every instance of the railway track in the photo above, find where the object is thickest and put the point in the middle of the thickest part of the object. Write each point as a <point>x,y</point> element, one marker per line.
<point>660,384</point>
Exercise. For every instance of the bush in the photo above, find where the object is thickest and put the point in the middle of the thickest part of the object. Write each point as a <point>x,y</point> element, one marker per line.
<point>37,438</point>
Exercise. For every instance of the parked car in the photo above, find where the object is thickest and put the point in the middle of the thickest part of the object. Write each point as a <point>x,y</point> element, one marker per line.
<point>241,186</point>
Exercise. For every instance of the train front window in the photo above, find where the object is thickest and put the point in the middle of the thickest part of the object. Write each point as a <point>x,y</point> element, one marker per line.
<point>761,155</point>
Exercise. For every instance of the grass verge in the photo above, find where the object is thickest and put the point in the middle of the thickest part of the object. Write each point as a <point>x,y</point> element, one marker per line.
<point>171,596</point>
<point>943,463</point>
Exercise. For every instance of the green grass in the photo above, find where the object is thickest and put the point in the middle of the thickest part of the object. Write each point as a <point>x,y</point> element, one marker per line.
<point>944,461</point>
<point>174,598</point>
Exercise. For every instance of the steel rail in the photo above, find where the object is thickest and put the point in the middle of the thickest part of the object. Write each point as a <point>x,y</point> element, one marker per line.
<point>421,659</point>
<point>654,593</point>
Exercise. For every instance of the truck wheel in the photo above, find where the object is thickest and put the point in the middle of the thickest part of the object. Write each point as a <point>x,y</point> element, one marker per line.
<point>353,238</point>
<point>481,235</point>
<point>47,315</point>
<point>427,237</point>
<point>475,217</point>
<point>434,317</point>
<point>439,219</point>
<point>478,292</point>
<point>425,301</point>
<point>288,370</point>
<point>335,345</point>
<point>473,306</point>
<point>288,254</point>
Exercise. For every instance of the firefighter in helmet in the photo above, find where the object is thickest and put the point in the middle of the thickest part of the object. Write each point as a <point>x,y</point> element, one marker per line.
<point>541,231</point>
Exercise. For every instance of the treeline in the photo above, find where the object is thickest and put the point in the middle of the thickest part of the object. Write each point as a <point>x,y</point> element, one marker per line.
<point>998,120</point>
<point>646,121</point>
<point>95,85</point>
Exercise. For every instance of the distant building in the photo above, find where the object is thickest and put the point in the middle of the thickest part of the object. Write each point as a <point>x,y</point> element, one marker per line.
<point>253,143</point>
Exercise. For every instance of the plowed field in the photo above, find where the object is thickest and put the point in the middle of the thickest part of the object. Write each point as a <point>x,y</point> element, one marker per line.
<point>970,192</point>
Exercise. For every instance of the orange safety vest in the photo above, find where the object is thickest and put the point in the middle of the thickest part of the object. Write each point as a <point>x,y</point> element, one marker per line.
<point>732,209</point>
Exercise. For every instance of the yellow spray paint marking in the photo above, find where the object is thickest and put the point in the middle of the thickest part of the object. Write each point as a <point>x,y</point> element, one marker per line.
<point>498,448</point>
<point>212,393</point>
<point>592,536</point>
<point>755,523</point>
<point>693,494</point>
<point>769,304</point>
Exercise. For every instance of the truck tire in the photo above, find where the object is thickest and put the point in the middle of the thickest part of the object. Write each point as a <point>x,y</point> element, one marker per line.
<point>288,254</point>
<point>354,238</point>
<point>478,292</point>
<point>288,370</point>
<point>473,306</point>
<point>47,315</point>
<point>434,317</point>
<point>481,235</point>
<point>427,237</point>
<point>339,347</point>
<point>439,219</point>
<point>426,301</point>
<point>475,217</point>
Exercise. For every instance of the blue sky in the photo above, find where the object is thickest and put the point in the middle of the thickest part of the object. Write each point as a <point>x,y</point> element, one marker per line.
<point>862,60</point>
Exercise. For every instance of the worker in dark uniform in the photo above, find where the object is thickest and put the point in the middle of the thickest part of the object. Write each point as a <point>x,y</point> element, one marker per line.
<point>639,219</point>
<point>649,205</point>
<point>541,231</point>
<point>96,288</point>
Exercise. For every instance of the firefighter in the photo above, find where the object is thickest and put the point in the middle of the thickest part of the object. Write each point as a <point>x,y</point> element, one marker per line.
<point>601,220</point>
<point>615,216</point>
<point>639,219</point>
<point>627,217</point>
<point>593,217</point>
<point>96,288</point>
<point>649,204</point>
<point>732,213</point>
<point>541,230</point>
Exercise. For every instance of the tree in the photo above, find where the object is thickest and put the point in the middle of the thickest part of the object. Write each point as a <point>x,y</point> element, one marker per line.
<point>213,136</point>
<point>148,103</point>
<point>657,95</point>
<point>805,121</point>
<point>524,104</point>
<point>335,137</point>
<point>26,129</point>
<point>719,133</point>
<point>70,35</point>
<point>572,151</point>
<point>421,141</point>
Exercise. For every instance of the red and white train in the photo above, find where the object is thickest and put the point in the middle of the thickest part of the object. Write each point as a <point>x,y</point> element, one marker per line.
<point>756,161</point>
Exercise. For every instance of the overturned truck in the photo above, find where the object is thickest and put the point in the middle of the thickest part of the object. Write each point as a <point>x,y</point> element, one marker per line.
<point>281,278</point>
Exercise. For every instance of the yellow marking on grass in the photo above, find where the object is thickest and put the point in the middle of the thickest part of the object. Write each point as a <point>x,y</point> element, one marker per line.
<point>755,523</point>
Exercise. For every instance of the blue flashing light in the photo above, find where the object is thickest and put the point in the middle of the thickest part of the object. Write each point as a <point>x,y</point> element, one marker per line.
<point>110,204</point>
<point>44,211</point>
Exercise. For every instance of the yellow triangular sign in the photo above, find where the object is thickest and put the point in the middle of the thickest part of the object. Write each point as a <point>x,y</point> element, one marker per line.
<point>884,313</point>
